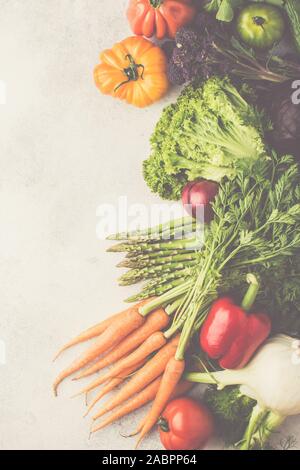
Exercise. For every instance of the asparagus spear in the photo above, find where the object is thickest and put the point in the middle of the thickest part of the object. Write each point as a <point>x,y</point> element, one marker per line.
<point>136,275</point>
<point>157,231</point>
<point>192,243</point>
<point>155,254</point>
<point>143,262</point>
<point>155,291</point>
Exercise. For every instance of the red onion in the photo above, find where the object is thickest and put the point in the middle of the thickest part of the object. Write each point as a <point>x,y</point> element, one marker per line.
<point>197,194</point>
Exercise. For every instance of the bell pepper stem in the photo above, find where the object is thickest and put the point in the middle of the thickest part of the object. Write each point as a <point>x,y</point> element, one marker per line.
<point>251,293</point>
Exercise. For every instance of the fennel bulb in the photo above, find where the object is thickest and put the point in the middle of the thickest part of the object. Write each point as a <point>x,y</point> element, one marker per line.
<point>272,378</point>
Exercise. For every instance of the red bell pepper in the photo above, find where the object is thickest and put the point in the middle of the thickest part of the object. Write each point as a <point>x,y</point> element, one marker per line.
<point>231,335</point>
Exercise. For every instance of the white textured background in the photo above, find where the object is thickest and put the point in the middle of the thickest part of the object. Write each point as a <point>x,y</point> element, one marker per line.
<point>64,149</point>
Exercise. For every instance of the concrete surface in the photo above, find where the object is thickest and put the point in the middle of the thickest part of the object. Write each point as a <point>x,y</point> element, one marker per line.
<point>65,149</point>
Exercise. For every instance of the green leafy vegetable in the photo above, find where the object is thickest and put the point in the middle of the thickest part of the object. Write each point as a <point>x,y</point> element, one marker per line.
<point>231,410</point>
<point>210,132</point>
<point>224,8</point>
<point>207,47</point>
<point>292,8</point>
<point>256,229</point>
<point>271,378</point>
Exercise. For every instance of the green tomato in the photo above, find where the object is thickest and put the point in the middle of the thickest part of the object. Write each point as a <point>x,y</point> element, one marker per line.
<point>260,26</point>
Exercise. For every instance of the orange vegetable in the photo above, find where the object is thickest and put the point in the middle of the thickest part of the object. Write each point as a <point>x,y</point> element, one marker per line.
<point>113,383</point>
<point>139,400</point>
<point>152,344</point>
<point>122,326</point>
<point>159,17</point>
<point>134,70</point>
<point>170,379</point>
<point>151,370</point>
<point>155,321</point>
<point>90,333</point>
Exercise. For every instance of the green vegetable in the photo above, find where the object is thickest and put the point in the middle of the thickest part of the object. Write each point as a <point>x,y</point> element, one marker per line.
<point>278,3</point>
<point>292,8</point>
<point>272,378</point>
<point>207,48</point>
<point>256,228</point>
<point>225,9</point>
<point>212,5</point>
<point>260,26</point>
<point>231,410</point>
<point>210,132</point>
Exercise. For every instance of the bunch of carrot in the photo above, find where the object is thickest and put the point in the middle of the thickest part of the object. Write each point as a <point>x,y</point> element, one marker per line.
<point>135,347</point>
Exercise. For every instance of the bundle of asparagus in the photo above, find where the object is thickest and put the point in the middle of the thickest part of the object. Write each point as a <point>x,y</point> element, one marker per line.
<point>163,255</point>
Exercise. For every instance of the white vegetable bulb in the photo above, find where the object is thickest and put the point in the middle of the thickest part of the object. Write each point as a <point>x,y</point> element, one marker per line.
<point>273,376</point>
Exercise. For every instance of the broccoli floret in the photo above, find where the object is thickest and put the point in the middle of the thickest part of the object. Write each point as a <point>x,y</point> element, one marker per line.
<point>231,410</point>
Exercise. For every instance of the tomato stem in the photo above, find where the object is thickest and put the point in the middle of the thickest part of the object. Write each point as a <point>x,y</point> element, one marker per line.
<point>131,72</point>
<point>163,424</point>
<point>155,3</point>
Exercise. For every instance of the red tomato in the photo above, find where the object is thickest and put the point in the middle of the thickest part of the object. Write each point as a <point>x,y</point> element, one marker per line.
<point>185,425</point>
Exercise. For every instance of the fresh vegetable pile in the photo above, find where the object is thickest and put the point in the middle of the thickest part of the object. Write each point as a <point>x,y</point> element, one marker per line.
<point>220,303</point>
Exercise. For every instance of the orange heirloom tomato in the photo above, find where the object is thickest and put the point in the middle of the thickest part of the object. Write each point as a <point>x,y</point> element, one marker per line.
<point>159,17</point>
<point>134,70</point>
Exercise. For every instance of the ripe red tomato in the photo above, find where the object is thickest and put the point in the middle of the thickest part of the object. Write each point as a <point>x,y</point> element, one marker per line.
<point>185,425</point>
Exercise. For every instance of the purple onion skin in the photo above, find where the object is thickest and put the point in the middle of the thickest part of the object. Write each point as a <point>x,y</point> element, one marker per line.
<point>197,194</point>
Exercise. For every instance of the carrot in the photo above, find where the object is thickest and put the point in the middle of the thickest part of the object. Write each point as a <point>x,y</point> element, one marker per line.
<point>156,321</point>
<point>117,330</point>
<point>151,370</point>
<point>136,402</point>
<point>140,400</point>
<point>90,333</point>
<point>170,379</point>
<point>112,384</point>
<point>152,344</point>
<point>182,388</point>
